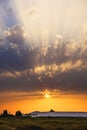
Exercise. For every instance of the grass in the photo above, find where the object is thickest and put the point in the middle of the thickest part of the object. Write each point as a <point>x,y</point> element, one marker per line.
<point>14,123</point>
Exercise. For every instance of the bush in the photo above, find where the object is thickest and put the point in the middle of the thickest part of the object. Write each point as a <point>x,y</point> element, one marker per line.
<point>32,127</point>
<point>59,128</point>
<point>18,114</point>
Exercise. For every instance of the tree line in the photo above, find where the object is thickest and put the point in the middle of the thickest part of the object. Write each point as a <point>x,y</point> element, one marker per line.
<point>18,113</point>
<point>5,113</point>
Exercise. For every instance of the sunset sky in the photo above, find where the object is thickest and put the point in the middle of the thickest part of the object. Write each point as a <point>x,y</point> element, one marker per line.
<point>43,55</point>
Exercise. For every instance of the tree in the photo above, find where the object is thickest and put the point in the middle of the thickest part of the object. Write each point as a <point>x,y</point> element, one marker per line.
<point>18,113</point>
<point>5,113</point>
<point>52,110</point>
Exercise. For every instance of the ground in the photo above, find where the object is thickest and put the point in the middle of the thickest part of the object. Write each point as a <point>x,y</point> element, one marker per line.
<point>16,123</point>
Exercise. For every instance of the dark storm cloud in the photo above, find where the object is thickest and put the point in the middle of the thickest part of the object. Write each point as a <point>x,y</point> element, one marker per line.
<point>24,67</point>
<point>72,81</point>
<point>14,54</point>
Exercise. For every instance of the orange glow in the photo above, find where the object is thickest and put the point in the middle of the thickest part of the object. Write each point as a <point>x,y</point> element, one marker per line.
<point>65,102</point>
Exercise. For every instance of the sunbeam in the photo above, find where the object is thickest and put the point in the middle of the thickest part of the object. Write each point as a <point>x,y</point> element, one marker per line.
<point>43,20</point>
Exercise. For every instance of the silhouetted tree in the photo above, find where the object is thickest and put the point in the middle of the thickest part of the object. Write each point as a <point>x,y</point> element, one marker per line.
<point>51,110</point>
<point>18,113</point>
<point>5,113</point>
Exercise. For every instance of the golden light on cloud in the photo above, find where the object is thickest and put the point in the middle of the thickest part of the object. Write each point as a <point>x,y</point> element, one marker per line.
<point>40,69</point>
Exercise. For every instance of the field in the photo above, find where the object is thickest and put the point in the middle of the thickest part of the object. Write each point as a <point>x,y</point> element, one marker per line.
<point>14,123</point>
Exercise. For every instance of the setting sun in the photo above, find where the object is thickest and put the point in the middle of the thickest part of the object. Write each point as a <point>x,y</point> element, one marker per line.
<point>47,95</point>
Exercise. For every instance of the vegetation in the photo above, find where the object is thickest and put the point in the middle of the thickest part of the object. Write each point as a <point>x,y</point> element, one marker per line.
<point>6,114</point>
<point>51,110</point>
<point>18,113</point>
<point>27,123</point>
<point>17,122</point>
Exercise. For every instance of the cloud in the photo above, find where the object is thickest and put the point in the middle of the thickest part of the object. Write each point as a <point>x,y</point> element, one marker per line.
<point>42,56</point>
<point>31,11</point>
<point>9,74</point>
<point>14,53</point>
<point>15,35</point>
<point>28,67</point>
<point>10,97</point>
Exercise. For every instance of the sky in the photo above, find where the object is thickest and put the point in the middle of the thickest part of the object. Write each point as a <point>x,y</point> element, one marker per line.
<point>43,55</point>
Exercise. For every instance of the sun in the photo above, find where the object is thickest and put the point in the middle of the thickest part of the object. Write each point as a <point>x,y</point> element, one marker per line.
<point>47,95</point>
